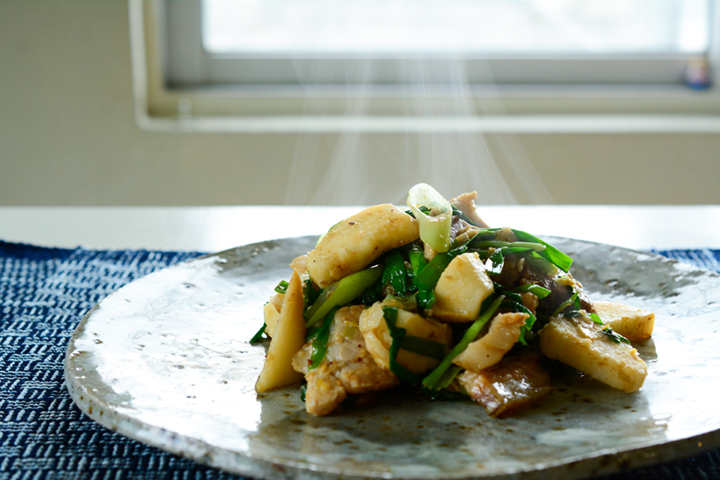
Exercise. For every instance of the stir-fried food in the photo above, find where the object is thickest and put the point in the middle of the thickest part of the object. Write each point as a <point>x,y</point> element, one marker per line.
<point>434,297</point>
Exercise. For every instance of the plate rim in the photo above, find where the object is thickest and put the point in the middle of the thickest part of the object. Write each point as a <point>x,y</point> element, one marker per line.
<point>600,462</point>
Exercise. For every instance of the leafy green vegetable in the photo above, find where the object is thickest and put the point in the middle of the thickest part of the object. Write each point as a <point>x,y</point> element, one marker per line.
<point>319,343</point>
<point>342,292</point>
<point>434,381</point>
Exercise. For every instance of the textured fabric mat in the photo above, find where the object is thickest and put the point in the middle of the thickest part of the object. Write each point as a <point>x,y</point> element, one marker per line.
<point>44,293</point>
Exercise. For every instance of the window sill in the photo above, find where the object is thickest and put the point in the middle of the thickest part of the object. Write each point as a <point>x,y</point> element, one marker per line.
<point>453,108</point>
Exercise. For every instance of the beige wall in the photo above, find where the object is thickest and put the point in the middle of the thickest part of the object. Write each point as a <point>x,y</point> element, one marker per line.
<point>68,135</point>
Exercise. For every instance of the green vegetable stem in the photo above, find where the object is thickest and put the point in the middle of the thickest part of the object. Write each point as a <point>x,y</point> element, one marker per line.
<point>436,380</point>
<point>342,292</point>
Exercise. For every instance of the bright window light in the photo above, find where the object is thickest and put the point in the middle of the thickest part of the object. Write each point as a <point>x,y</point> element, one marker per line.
<point>391,27</point>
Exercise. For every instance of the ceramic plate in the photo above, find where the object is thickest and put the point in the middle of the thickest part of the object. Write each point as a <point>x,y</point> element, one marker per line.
<point>166,360</point>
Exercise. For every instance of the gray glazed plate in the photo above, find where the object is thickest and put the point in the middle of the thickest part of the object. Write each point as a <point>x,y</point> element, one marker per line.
<point>165,360</point>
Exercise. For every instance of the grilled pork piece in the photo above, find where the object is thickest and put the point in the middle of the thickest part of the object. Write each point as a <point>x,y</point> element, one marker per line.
<point>507,387</point>
<point>348,368</point>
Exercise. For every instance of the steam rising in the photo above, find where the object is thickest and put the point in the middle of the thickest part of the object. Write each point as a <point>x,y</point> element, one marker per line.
<point>368,168</point>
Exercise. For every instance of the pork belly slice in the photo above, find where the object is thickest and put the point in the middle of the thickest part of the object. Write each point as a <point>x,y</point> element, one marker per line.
<point>511,385</point>
<point>348,368</point>
<point>581,343</point>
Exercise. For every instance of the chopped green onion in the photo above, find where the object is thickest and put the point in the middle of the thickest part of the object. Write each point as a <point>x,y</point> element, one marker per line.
<point>425,298</point>
<point>497,259</point>
<point>509,294</point>
<point>423,346</point>
<point>497,262</point>
<point>395,273</point>
<point>555,256</point>
<point>430,274</point>
<point>458,213</point>
<point>567,303</point>
<point>371,294</point>
<point>482,244</point>
<point>533,288</point>
<point>310,292</point>
<point>529,322</point>
<point>434,381</point>
<point>435,226</point>
<point>342,292</point>
<point>260,335</point>
<point>319,343</point>
<point>449,376</point>
<point>417,257</point>
<point>282,287</point>
<point>542,264</point>
<point>428,277</point>
<point>398,335</point>
<point>614,336</point>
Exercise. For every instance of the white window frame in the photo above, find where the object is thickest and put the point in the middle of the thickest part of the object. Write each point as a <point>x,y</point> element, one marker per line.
<point>202,97</point>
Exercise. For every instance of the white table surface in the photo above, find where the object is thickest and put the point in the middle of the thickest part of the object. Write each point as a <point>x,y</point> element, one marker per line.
<point>210,229</point>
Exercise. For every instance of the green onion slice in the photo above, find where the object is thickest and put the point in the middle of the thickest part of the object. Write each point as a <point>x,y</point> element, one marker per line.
<point>435,227</point>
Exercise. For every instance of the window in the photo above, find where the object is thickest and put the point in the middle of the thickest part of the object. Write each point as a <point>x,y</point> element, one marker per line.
<point>384,62</point>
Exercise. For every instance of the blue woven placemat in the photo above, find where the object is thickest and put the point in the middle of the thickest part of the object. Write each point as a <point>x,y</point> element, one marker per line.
<point>44,293</point>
